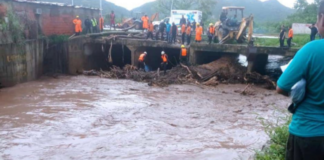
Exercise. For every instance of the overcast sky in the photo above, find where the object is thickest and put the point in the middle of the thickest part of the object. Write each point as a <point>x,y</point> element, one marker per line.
<point>130,4</point>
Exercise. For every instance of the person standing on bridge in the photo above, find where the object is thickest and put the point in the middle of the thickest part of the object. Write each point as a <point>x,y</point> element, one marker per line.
<point>282,36</point>
<point>112,20</point>
<point>183,33</point>
<point>182,21</point>
<point>168,31</point>
<point>101,23</point>
<point>141,61</point>
<point>313,32</point>
<point>87,24</point>
<point>164,63</point>
<point>150,30</point>
<point>194,25</point>
<point>145,20</point>
<point>188,33</point>
<point>183,55</point>
<point>198,33</point>
<point>174,32</point>
<point>94,25</point>
<point>306,130</point>
<point>162,27</point>
<point>211,33</point>
<point>78,25</point>
<point>290,36</point>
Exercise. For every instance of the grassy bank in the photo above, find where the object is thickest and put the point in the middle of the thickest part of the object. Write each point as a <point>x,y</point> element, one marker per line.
<point>297,42</point>
<point>278,139</point>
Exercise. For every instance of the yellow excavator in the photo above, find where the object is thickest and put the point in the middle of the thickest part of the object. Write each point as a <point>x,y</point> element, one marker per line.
<point>229,29</point>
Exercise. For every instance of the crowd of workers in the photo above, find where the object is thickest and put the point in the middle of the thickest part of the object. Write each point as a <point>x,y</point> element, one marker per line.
<point>171,31</point>
<point>282,35</point>
<point>92,25</point>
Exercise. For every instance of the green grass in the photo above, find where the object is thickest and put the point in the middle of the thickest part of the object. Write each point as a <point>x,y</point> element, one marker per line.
<point>278,139</point>
<point>298,41</point>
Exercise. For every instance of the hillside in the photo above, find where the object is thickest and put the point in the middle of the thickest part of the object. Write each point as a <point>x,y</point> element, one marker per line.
<point>270,10</point>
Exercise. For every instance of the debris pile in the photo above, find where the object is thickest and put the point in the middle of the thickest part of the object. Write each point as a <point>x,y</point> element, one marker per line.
<point>177,75</point>
<point>224,70</point>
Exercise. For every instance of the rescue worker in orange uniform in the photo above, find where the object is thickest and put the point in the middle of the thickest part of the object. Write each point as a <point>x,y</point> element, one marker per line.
<point>150,30</point>
<point>290,36</point>
<point>164,63</point>
<point>145,20</point>
<point>183,55</point>
<point>198,33</point>
<point>78,25</point>
<point>211,33</point>
<point>188,33</point>
<point>183,33</point>
<point>141,61</point>
<point>101,23</point>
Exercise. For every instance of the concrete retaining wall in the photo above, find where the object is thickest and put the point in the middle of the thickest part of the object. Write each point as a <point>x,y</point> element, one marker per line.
<point>21,62</point>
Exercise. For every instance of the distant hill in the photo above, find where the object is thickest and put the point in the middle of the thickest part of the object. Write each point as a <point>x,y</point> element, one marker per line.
<point>271,10</point>
<point>268,11</point>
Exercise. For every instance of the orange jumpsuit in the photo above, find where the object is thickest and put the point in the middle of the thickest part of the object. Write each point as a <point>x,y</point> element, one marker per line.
<point>145,22</point>
<point>101,23</point>
<point>198,33</point>
<point>78,25</point>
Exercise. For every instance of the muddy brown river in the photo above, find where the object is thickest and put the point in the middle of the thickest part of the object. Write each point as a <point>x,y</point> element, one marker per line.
<point>92,118</point>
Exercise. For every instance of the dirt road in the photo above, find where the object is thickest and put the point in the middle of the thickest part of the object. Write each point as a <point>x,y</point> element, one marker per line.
<point>92,118</point>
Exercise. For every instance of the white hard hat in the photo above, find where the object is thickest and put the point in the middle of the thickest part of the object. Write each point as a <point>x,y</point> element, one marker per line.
<point>162,52</point>
<point>145,52</point>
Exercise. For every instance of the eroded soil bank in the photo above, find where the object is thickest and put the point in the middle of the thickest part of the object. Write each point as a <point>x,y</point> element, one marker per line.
<point>95,118</point>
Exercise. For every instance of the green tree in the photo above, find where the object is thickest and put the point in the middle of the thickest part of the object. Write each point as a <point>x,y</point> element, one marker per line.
<point>206,6</point>
<point>306,13</point>
<point>300,5</point>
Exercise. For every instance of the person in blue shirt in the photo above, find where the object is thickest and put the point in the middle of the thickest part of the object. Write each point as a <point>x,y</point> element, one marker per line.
<point>306,130</point>
<point>168,29</point>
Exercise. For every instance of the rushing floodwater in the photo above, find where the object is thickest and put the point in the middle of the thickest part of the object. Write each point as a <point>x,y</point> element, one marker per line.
<point>93,118</point>
<point>273,67</point>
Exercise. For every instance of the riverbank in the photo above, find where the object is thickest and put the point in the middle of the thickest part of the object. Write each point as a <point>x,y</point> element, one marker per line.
<point>90,117</point>
<point>298,41</point>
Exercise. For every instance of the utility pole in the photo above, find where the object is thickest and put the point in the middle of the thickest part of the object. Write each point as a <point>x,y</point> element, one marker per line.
<point>172,5</point>
<point>101,7</point>
<point>72,3</point>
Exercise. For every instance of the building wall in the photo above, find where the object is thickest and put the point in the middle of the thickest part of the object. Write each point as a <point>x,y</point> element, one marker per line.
<point>54,19</point>
<point>301,28</point>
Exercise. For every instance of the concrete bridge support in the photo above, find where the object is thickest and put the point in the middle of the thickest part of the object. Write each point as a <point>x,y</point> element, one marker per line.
<point>75,57</point>
<point>257,63</point>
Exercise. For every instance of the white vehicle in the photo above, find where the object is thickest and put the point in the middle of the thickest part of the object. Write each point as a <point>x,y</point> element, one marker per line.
<point>191,15</point>
<point>157,23</point>
<point>176,15</point>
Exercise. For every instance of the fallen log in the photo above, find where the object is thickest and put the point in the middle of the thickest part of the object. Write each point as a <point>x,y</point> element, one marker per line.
<point>192,72</point>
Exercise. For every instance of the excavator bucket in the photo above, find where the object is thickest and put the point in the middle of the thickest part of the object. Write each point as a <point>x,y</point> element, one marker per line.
<point>154,16</point>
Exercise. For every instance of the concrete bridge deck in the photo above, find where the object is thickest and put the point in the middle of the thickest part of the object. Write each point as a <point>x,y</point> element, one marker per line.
<point>85,47</point>
<point>214,47</point>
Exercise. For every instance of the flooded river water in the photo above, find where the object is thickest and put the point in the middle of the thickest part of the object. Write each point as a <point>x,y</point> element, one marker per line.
<point>93,118</point>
